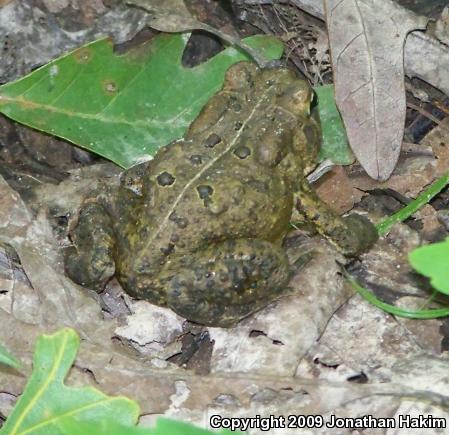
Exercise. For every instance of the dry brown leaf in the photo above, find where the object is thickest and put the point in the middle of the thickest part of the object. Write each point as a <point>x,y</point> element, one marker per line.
<point>367,43</point>
<point>425,56</point>
<point>419,165</point>
<point>438,140</point>
<point>49,299</point>
<point>337,190</point>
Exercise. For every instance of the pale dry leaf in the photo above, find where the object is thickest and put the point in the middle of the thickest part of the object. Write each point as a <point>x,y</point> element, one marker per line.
<point>442,26</point>
<point>47,298</point>
<point>367,40</point>
<point>151,329</point>
<point>172,16</point>
<point>167,15</point>
<point>30,38</point>
<point>56,6</point>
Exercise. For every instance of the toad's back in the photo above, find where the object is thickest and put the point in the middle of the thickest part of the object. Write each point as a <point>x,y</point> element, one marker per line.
<point>230,178</point>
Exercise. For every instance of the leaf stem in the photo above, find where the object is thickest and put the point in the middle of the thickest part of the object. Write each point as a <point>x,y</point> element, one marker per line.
<point>423,198</point>
<point>400,312</point>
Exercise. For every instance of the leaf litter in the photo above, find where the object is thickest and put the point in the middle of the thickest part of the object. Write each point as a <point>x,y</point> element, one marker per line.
<point>280,369</point>
<point>32,35</point>
<point>260,382</point>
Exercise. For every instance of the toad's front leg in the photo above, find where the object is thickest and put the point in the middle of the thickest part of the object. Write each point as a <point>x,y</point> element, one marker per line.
<point>89,261</point>
<point>352,234</point>
<point>226,281</point>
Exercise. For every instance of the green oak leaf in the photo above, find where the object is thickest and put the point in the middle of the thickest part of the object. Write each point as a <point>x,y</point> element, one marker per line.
<point>123,107</point>
<point>47,404</point>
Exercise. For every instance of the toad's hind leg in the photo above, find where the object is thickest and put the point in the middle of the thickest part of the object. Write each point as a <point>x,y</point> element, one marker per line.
<point>352,234</point>
<point>227,281</point>
<point>89,261</point>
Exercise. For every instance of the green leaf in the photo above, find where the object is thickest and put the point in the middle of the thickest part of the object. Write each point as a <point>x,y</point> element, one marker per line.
<point>122,107</point>
<point>47,403</point>
<point>433,261</point>
<point>422,199</point>
<point>7,359</point>
<point>335,146</point>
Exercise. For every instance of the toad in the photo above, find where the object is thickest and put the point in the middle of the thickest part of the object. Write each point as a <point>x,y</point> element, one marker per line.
<point>199,228</point>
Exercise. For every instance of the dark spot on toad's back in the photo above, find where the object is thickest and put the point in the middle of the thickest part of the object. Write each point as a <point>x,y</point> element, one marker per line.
<point>168,249</point>
<point>178,220</point>
<point>165,179</point>
<point>212,140</point>
<point>235,105</point>
<point>204,191</point>
<point>196,159</point>
<point>242,152</point>
<point>182,222</point>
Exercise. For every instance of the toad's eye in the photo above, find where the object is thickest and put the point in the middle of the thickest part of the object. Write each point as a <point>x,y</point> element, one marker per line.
<point>311,133</point>
<point>272,150</point>
<point>313,102</point>
<point>303,97</point>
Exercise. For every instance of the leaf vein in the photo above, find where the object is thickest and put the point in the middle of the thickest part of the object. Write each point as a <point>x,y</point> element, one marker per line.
<point>41,390</point>
<point>370,66</point>
<point>88,116</point>
<point>80,409</point>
